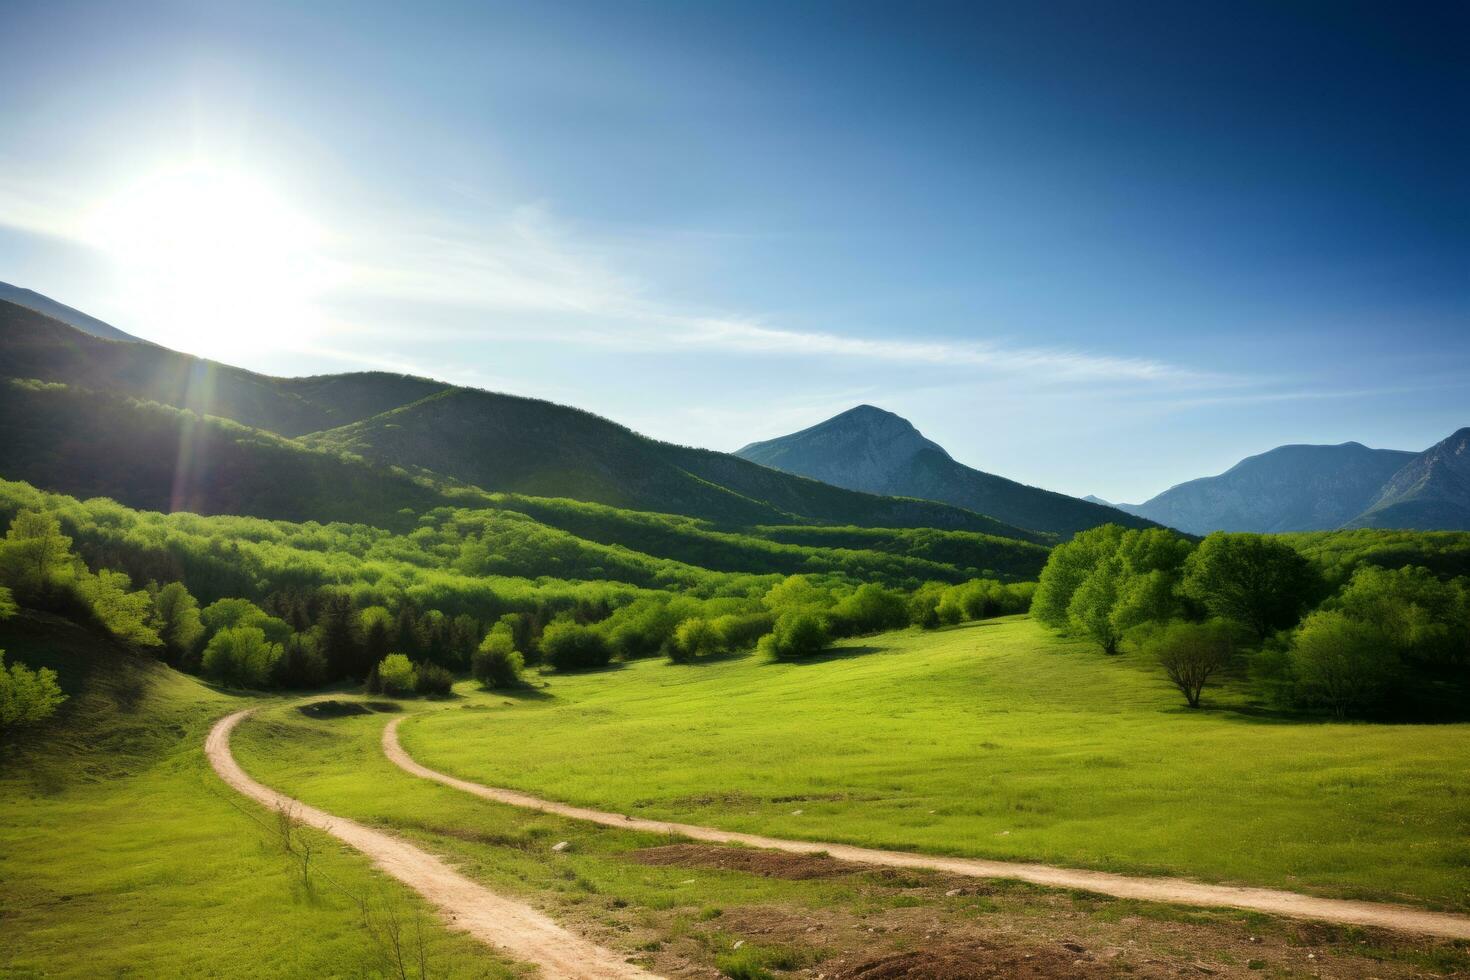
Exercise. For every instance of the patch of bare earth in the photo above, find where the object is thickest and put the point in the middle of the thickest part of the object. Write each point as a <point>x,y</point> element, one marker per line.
<point>921,925</point>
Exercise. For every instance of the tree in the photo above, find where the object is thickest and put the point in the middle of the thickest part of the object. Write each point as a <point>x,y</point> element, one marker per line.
<point>8,607</point>
<point>125,614</point>
<point>694,638</point>
<point>178,623</point>
<point>301,665</point>
<point>337,638</point>
<point>1091,610</point>
<point>27,696</point>
<point>241,656</point>
<point>35,554</point>
<point>1342,664</point>
<point>1251,579</point>
<point>796,634</point>
<point>1068,566</point>
<point>497,662</point>
<point>571,646</point>
<point>396,674</point>
<point>432,680</point>
<point>1192,653</point>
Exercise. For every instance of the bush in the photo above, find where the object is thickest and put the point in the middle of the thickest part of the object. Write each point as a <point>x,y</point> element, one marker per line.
<point>692,639</point>
<point>795,635</point>
<point>870,609</point>
<point>396,674</point>
<point>1191,653</point>
<point>27,696</point>
<point>497,662</point>
<point>569,646</point>
<point>741,631</point>
<point>241,656</point>
<point>433,681</point>
<point>1342,664</point>
<point>301,665</point>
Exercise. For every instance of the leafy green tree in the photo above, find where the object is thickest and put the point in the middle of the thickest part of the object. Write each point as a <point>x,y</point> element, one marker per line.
<point>433,681</point>
<point>228,613</point>
<point>35,556</point>
<point>1090,612</point>
<point>923,605</point>
<point>1342,664</point>
<point>796,634</point>
<point>1068,566</point>
<point>301,666</point>
<point>178,623</point>
<point>1257,581</point>
<point>27,696</point>
<point>396,674</point>
<point>497,662</point>
<point>125,614</point>
<point>694,638</point>
<point>338,638</point>
<point>571,646</point>
<point>8,607</point>
<point>870,608</point>
<point>1191,654</point>
<point>241,656</point>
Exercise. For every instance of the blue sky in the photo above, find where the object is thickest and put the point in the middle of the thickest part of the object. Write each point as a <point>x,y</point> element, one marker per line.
<point>1096,247</point>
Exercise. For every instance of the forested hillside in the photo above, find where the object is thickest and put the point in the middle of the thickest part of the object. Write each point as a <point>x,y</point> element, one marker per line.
<point>495,442</point>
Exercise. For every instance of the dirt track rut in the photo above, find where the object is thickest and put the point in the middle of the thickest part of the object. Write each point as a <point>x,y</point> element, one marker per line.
<point>1177,890</point>
<point>511,927</point>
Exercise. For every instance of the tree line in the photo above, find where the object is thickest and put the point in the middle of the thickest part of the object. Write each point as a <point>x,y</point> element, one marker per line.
<point>1319,622</point>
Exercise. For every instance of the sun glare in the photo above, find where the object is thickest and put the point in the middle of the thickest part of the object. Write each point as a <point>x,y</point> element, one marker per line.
<point>215,262</point>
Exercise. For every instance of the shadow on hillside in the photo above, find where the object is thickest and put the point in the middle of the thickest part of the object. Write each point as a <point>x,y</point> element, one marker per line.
<point>838,653</point>
<point>525,692</point>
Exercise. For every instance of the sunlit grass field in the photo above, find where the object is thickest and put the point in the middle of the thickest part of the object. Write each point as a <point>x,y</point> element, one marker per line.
<point>121,852</point>
<point>996,739</point>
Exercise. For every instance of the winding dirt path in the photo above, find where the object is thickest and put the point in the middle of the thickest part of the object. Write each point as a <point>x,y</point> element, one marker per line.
<point>515,929</point>
<point>1400,917</point>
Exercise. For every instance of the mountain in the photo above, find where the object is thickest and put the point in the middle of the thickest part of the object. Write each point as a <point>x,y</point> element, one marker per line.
<point>523,445</point>
<point>869,449</point>
<point>1430,491</point>
<point>33,300</point>
<point>491,441</point>
<point>1290,488</point>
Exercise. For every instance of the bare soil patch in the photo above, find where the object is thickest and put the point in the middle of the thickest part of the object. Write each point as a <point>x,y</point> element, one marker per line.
<point>973,961</point>
<point>767,864</point>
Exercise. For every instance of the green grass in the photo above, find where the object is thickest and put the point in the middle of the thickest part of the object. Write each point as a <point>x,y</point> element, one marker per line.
<point>121,853</point>
<point>997,740</point>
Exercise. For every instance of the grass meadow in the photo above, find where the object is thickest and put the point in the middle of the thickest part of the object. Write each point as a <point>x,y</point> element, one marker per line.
<point>996,739</point>
<point>122,854</point>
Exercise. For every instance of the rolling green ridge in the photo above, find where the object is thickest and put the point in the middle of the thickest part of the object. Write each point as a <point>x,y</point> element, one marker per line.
<point>494,442</point>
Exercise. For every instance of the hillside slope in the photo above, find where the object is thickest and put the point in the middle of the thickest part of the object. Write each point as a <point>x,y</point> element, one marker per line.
<point>869,449</point>
<point>523,445</point>
<point>47,306</point>
<point>496,442</point>
<point>1431,490</point>
<point>1290,488</point>
<point>33,345</point>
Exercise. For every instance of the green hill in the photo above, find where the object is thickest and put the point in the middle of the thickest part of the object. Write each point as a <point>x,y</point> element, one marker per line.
<point>495,442</point>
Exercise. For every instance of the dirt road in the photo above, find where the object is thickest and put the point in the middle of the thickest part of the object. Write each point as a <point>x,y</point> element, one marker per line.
<point>1177,890</point>
<point>515,929</point>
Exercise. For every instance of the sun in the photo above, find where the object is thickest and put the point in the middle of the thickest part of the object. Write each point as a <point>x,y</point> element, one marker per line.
<point>215,262</point>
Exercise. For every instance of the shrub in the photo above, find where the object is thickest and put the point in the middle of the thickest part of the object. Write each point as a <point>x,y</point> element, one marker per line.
<point>693,638</point>
<point>433,681</point>
<point>870,609</point>
<point>923,605</point>
<point>795,635</point>
<point>1255,580</point>
<point>241,656</point>
<point>741,631</point>
<point>1191,653</point>
<point>497,662</point>
<point>27,696</point>
<point>178,622</point>
<point>396,674</point>
<point>1342,664</point>
<point>570,646</point>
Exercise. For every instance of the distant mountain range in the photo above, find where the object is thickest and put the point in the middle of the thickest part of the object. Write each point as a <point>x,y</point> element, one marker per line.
<point>869,449</point>
<point>1318,488</point>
